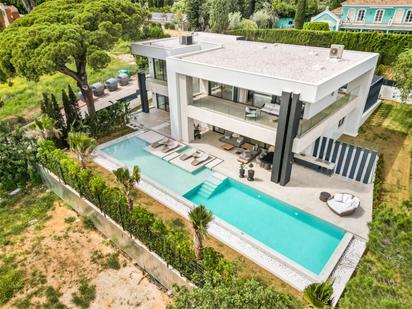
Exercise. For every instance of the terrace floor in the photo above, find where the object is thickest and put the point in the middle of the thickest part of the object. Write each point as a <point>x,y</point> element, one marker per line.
<point>302,191</point>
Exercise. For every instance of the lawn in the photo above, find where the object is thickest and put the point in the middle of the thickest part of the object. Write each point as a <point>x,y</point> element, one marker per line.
<point>384,276</point>
<point>22,97</point>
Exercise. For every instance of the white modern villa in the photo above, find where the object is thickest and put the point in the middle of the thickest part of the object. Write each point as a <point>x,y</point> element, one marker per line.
<point>222,105</point>
<point>277,95</point>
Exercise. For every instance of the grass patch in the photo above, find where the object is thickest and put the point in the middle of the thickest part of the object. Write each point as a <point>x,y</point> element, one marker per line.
<point>11,281</point>
<point>52,299</point>
<point>86,294</point>
<point>70,219</point>
<point>107,261</point>
<point>23,97</point>
<point>19,213</point>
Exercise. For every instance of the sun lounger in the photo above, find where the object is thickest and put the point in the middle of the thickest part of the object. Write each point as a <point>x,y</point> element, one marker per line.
<point>249,155</point>
<point>202,158</point>
<point>160,142</point>
<point>188,155</point>
<point>343,204</point>
<point>170,146</point>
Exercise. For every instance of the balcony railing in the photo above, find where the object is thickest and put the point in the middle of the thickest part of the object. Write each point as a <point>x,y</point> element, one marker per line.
<point>307,124</point>
<point>234,110</point>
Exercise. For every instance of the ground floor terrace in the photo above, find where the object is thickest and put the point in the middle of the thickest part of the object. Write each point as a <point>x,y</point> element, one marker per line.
<point>302,192</point>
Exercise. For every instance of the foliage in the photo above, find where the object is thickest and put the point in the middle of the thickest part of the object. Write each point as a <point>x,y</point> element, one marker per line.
<point>219,11</point>
<point>316,26</point>
<point>300,13</point>
<point>284,8</point>
<point>403,74</point>
<point>237,293</point>
<point>319,295</point>
<point>194,13</point>
<point>261,18</point>
<point>170,26</point>
<point>128,180</point>
<point>17,160</point>
<point>72,113</point>
<point>384,275</point>
<point>81,144</point>
<point>200,218</point>
<point>387,45</point>
<point>248,24</point>
<point>11,281</point>
<point>180,6</point>
<point>85,295</point>
<point>377,185</point>
<point>170,242</point>
<point>151,30</point>
<point>234,20</point>
<point>44,128</point>
<point>47,41</point>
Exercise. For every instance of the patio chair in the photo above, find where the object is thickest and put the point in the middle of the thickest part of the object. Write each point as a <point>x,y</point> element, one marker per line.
<point>343,204</point>
<point>189,154</point>
<point>170,146</point>
<point>249,155</point>
<point>160,142</point>
<point>251,113</point>
<point>228,135</point>
<point>239,141</point>
<point>202,158</point>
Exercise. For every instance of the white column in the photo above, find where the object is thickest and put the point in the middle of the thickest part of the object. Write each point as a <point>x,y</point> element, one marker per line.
<point>359,87</point>
<point>186,98</point>
<point>174,103</point>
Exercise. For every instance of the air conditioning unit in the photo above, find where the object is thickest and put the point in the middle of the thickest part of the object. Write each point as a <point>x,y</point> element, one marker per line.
<point>186,40</point>
<point>336,51</point>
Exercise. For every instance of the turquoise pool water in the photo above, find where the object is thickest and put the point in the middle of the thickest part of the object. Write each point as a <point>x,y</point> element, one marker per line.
<point>294,233</point>
<point>297,235</point>
<point>131,152</point>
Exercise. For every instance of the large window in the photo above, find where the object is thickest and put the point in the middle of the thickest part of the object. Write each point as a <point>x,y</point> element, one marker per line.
<point>379,16</point>
<point>162,102</point>
<point>408,18</point>
<point>221,91</point>
<point>361,15</point>
<point>160,69</point>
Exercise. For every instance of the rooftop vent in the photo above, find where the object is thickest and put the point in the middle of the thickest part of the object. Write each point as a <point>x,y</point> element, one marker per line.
<point>336,51</point>
<point>186,39</point>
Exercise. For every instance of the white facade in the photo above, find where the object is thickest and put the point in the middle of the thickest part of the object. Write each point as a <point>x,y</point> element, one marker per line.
<point>333,92</point>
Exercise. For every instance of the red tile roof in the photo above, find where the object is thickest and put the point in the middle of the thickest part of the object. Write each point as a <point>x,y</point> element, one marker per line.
<point>337,11</point>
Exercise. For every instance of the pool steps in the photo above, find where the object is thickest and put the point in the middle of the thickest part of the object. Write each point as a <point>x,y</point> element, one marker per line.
<point>210,185</point>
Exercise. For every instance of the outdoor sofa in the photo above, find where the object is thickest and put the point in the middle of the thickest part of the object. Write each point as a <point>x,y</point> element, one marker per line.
<point>343,204</point>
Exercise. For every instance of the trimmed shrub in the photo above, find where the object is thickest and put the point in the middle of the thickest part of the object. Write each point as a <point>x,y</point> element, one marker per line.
<point>389,46</point>
<point>316,26</point>
<point>170,26</point>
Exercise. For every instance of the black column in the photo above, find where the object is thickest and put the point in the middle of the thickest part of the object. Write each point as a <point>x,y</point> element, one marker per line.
<point>141,79</point>
<point>288,124</point>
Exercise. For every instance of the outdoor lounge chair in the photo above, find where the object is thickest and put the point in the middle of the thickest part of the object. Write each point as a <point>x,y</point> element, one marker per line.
<point>343,204</point>
<point>160,142</point>
<point>239,141</point>
<point>249,155</point>
<point>189,154</point>
<point>202,158</point>
<point>170,146</point>
<point>251,113</point>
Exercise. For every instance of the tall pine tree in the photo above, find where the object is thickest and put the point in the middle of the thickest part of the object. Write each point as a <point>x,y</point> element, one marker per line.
<point>194,12</point>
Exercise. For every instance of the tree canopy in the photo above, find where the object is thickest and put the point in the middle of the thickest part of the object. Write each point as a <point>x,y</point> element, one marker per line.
<point>66,36</point>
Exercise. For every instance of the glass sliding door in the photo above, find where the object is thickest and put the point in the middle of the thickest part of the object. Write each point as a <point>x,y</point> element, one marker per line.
<point>221,91</point>
<point>162,102</point>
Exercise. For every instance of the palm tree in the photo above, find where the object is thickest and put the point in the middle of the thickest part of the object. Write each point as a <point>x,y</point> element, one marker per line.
<point>44,128</point>
<point>128,180</point>
<point>82,144</point>
<point>200,218</point>
<point>319,295</point>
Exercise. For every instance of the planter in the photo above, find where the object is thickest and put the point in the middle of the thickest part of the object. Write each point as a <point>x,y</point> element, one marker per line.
<point>242,173</point>
<point>251,175</point>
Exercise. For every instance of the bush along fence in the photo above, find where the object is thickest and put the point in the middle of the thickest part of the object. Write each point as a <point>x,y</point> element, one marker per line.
<point>389,46</point>
<point>172,244</point>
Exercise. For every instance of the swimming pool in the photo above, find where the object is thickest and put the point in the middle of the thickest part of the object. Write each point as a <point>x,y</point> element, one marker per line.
<point>300,237</point>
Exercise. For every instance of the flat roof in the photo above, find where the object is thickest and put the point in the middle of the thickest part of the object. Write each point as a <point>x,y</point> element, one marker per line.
<point>306,64</point>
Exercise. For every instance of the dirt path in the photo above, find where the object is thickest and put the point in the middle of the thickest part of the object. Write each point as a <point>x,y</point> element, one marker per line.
<point>63,251</point>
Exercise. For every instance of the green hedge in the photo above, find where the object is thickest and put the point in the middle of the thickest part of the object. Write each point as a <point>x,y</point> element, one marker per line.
<point>316,26</point>
<point>389,46</point>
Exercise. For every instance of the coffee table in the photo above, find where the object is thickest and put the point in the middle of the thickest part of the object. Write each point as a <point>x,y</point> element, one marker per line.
<point>228,147</point>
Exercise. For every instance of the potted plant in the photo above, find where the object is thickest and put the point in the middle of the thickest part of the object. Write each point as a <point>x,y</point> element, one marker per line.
<point>242,170</point>
<point>197,132</point>
<point>251,173</point>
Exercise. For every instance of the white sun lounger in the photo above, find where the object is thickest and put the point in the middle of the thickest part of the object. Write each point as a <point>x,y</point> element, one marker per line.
<point>343,204</point>
<point>202,158</point>
<point>170,146</point>
<point>189,154</point>
<point>160,142</point>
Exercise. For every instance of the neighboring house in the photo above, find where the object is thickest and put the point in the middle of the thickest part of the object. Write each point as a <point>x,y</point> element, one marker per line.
<point>370,15</point>
<point>275,95</point>
<point>284,22</point>
<point>8,14</point>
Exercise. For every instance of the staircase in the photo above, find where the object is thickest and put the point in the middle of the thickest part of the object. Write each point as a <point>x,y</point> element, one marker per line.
<point>210,185</point>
